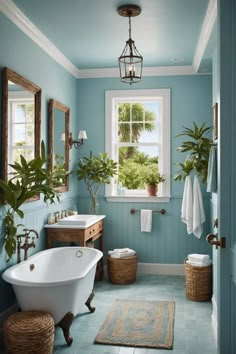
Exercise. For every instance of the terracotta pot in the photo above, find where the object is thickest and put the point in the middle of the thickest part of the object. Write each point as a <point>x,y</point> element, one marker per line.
<point>152,189</point>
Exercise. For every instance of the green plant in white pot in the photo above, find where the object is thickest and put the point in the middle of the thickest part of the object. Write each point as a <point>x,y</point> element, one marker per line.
<point>30,179</point>
<point>94,171</point>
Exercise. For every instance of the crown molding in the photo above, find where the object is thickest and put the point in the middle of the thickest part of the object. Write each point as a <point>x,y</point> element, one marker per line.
<point>10,10</point>
<point>205,34</point>
<point>147,71</point>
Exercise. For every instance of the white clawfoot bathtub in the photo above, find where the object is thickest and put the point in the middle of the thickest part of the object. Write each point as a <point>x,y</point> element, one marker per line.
<point>58,280</point>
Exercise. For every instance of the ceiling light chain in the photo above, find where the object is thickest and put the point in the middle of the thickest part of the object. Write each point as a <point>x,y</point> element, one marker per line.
<point>130,61</point>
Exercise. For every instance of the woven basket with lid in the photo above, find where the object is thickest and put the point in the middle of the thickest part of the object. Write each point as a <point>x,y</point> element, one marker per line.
<point>122,270</point>
<point>198,281</point>
<point>29,332</point>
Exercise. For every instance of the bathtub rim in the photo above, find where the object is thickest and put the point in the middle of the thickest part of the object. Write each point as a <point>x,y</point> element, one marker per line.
<point>7,274</point>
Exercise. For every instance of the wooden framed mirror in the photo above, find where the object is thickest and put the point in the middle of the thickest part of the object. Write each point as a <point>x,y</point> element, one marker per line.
<point>59,117</point>
<point>21,119</point>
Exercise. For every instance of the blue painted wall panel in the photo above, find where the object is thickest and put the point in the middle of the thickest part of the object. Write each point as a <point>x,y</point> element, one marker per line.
<point>191,100</point>
<point>22,55</point>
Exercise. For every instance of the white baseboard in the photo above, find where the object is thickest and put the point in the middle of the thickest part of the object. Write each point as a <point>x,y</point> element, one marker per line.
<point>214,323</point>
<point>160,269</point>
<point>3,316</point>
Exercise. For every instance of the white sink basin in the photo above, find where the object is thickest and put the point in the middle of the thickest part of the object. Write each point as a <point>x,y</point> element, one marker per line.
<point>82,220</point>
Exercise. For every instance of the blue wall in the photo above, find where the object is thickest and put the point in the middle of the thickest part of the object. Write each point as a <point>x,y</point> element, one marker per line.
<point>22,55</point>
<point>191,100</point>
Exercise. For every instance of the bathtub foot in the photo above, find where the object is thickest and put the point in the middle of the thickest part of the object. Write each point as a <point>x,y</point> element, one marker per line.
<point>88,302</point>
<point>65,324</point>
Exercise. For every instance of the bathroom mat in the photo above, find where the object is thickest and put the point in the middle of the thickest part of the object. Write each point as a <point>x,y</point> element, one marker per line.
<point>139,323</point>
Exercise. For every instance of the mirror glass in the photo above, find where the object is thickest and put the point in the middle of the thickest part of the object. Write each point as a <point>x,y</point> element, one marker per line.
<point>21,120</point>
<point>59,144</point>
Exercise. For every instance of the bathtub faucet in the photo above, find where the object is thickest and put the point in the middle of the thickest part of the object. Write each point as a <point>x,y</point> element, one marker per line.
<point>26,245</point>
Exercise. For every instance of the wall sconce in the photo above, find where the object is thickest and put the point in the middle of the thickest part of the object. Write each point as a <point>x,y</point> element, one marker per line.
<point>77,143</point>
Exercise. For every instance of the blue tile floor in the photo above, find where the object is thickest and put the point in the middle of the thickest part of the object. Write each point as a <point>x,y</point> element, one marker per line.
<point>192,326</point>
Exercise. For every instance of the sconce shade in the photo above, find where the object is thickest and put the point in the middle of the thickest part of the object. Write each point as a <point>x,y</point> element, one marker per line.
<point>77,143</point>
<point>82,135</point>
<point>63,137</point>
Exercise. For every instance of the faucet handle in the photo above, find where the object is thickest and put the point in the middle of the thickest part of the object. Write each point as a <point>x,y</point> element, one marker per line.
<point>33,243</point>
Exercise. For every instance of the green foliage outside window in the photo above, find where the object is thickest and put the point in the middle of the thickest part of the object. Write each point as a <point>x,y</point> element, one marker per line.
<point>135,167</point>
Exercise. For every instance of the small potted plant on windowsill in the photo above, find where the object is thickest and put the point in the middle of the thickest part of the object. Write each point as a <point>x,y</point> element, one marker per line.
<point>152,179</point>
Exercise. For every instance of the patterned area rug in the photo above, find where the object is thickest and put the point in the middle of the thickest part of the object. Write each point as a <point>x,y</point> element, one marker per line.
<point>139,323</point>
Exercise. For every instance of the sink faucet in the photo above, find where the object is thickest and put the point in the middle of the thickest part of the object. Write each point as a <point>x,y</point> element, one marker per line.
<point>26,244</point>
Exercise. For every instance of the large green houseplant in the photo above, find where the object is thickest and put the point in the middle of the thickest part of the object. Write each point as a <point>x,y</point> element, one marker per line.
<point>197,146</point>
<point>29,179</point>
<point>94,171</point>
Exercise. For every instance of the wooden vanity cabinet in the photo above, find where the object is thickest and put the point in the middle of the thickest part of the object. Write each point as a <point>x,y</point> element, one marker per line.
<point>73,234</point>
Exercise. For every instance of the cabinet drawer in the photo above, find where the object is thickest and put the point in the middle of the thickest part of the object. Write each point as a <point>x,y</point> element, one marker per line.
<point>93,230</point>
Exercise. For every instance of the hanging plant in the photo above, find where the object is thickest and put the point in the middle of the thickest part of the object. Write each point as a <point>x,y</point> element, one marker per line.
<point>199,149</point>
<point>30,178</point>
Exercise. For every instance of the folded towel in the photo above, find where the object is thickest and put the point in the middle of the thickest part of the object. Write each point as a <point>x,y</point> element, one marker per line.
<point>121,253</point>
<point>212,170</point>
<point>121,250</point>
<point>146,220</point>
<point>199,264</point>
<point>187,205</point>
<point>198,210</point>
<point>198,257</point>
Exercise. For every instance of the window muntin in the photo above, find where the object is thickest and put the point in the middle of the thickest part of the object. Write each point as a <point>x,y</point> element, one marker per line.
<point>149,138</point>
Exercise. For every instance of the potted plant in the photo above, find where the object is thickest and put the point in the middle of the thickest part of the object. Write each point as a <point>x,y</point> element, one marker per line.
<point>95,170</point>
<point>30,178</point>
<point>152,178</point>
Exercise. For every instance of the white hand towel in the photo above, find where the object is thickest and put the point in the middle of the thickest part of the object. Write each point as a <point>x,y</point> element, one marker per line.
<point>198,257</point>
<point>187,205</point>
<point>146,220</point>
<point>198,209</point>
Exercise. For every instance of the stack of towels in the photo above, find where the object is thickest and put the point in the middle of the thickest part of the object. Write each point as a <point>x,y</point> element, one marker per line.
<point>198,260</point>
<point>121,252</point>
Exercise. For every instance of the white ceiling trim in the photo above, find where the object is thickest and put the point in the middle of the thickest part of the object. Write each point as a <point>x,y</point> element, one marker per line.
<point>207,28</point>
<point>10,10</point>
<point>147,71</point>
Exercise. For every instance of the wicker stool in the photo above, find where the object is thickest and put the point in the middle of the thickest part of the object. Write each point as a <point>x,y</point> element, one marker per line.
<point>29,332</point>
<point>122,270</point>
<point>198,282</point>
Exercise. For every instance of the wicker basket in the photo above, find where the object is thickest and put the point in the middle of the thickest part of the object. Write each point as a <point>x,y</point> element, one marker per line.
<point>122,270</point>
<point>30,332</point>
<point>198,282</point>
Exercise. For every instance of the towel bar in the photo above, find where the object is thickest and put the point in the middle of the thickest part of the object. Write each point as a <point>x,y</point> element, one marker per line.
<point>162,211</point>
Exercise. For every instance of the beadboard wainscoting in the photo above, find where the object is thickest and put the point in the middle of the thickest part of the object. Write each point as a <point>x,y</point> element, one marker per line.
<point>168,243</point>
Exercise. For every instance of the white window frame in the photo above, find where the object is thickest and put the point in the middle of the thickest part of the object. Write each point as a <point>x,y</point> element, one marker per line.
<point>112,99</point>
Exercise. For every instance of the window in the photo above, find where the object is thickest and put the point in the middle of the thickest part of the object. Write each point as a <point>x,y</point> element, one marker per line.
<point>138,138</point>
<point>21,126</point>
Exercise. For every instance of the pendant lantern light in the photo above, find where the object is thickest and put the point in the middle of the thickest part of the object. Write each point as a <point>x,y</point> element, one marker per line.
<point>130,61</point>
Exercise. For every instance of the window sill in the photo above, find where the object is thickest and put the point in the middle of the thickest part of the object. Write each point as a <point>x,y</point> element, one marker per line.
<point>137,199</point>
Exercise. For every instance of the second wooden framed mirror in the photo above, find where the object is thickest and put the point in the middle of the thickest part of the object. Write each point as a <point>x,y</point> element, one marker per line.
<point>59,116</point>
